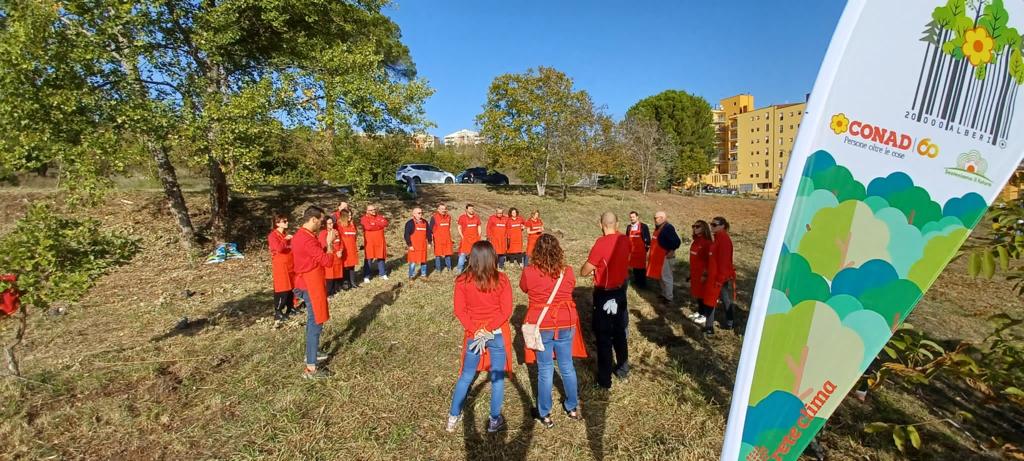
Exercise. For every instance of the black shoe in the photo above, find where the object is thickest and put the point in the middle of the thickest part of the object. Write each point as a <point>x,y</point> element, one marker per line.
<point>622,372</point>
<point>496,424</point>
<point>601,388</point>
<point>727,325</point>
<point>709,332</point>
<point>546,422</point>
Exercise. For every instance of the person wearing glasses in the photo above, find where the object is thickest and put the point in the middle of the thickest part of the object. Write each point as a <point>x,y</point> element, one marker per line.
<point>698,277</point>
<point>721,276</point>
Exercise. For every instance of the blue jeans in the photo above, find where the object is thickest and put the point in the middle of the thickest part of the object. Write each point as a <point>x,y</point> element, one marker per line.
<point>412,269</point>
<point>526,260</point>
<point>447,262</point>
<point>562,348</point>
<point>381,269</point>
<point>462,262</point>
<point>501,261</point>
<point>312,330</point>
<point>496,347</point>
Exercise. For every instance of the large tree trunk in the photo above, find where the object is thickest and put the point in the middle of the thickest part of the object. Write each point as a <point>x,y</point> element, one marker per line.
<point>218,201</point>
<point>172,191</point>
<point>10,358</point>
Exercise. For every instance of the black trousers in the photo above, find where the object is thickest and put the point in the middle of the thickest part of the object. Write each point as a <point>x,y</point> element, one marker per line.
<point>639,277</point>
<point>610,333</point>
<point>348,278</point>
<point>282,301</point>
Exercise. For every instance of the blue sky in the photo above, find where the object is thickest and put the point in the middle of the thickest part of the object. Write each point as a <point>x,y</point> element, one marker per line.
<point>619,51</point>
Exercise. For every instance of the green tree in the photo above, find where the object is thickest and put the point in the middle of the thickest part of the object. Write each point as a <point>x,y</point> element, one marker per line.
<point>688,119</point>
<point>538,125</point>
<point>213,81</point>
<point>646,150</point>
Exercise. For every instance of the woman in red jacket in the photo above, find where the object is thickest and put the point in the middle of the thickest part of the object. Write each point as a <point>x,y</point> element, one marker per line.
<point>332,273</point>
<point>534,227</point>
<point>347,232</point>
<point>281,266</point>
<point>515,236</point>
<point>560,327</point>
<point>698,269</point>
<point>483,304</point>
<point>721,276</point>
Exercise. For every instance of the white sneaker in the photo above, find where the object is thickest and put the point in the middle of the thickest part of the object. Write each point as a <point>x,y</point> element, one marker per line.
<point>366,280</point>
<point>385,277</point>
<point>693,315</point>
<point>453,421</point>
<point>700,319</point>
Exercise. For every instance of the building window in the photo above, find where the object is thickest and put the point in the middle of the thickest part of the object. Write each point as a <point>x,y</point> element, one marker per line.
<point>780,141</point>
<point>766,140</point>
<point>781,128</point>
<point>780,165</point>
<point>790,140</point>
<point>767,127</point>
<point>766,163</point>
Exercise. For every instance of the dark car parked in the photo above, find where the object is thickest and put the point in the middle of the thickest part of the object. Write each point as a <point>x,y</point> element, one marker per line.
<point>481,176</point>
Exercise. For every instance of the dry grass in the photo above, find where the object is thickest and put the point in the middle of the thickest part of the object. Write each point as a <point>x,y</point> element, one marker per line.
<point>116,381</point>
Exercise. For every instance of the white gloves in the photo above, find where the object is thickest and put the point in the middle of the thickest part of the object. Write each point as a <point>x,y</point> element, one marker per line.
<point>610,307</point>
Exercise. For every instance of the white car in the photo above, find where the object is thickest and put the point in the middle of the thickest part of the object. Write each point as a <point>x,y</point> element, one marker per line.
<point>423,173</point>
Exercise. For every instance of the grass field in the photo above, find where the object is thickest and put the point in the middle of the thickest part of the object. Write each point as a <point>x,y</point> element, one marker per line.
<point>114,378</point>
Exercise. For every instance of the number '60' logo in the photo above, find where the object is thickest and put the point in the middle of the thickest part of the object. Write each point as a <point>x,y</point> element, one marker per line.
<point>927,148</point>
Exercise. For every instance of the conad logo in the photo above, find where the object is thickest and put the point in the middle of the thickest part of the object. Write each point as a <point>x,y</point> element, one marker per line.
<point>841,124</point>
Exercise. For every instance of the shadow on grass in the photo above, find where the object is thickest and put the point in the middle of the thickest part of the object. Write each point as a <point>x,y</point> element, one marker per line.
<point>593,400</point>
<point>237,314</point>
<point>503,445</point>
<point>356,326</point>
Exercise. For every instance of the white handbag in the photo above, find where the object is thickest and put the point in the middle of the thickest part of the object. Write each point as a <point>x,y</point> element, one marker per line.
<point>531,331</point>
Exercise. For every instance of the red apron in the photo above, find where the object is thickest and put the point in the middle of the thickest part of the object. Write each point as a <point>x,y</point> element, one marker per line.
<point>497,234</point>
<point>418,255</point>
<point>515,235</point>
<point>638,250</point>
<point>374,244</point>
<point>316,285</point>
<point>470,233</point>
<point>579,350</point>
<point>531,239</point>
<point>698,266</point>
<point>348,238</point>
<point>442,235</point>
<point>281,265</point>
<point>333,272</point>
<point>485,358</point>
<point>657,256</point>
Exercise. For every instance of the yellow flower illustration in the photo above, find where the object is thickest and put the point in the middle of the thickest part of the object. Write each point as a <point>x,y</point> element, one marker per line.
<point>840,123</point>
<point>978,46</point>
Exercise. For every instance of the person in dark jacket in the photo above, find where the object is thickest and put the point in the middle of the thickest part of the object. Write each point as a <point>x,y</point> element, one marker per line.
<point>639,244</point>
<point>663,255</point>
<point>418,236</point>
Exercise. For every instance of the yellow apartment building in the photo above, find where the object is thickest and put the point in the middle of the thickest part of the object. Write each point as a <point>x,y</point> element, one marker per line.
<point>764,141</point>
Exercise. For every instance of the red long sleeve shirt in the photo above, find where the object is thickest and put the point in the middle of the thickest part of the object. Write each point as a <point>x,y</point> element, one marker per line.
<point>308,255</point>
<point>373,223</point>
<point>476,309</point>
<point>538,286</point>
<point>720,266</point>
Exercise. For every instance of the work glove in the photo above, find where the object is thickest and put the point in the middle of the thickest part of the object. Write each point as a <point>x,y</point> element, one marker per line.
<point>477,345</point>
<point>610,307</point>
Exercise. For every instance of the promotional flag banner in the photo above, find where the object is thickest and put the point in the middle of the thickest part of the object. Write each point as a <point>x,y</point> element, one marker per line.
<point>914,125</point>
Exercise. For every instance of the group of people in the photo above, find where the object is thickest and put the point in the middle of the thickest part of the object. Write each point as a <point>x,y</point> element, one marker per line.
<point>324,249</point>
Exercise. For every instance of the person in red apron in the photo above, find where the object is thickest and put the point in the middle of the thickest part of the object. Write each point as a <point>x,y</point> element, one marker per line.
<point>497,234</point>
<point>310,260</point>
<point>441,227</point>
<point>417,238</point>
<point>698,277</point>
<point>281,267</point>
<point>534,228</point>
<point>343,206</point>
<point>347,229</point>
<point>639,244</point>
<point>608,263</point>
<point>483,305</point>
<point>721,286</point>
<point>663,255</point>
<point>333,273</point>
<point>515,236</point>
<point>375,247</point>
<point>469,233</point>
<point>559,330</point>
